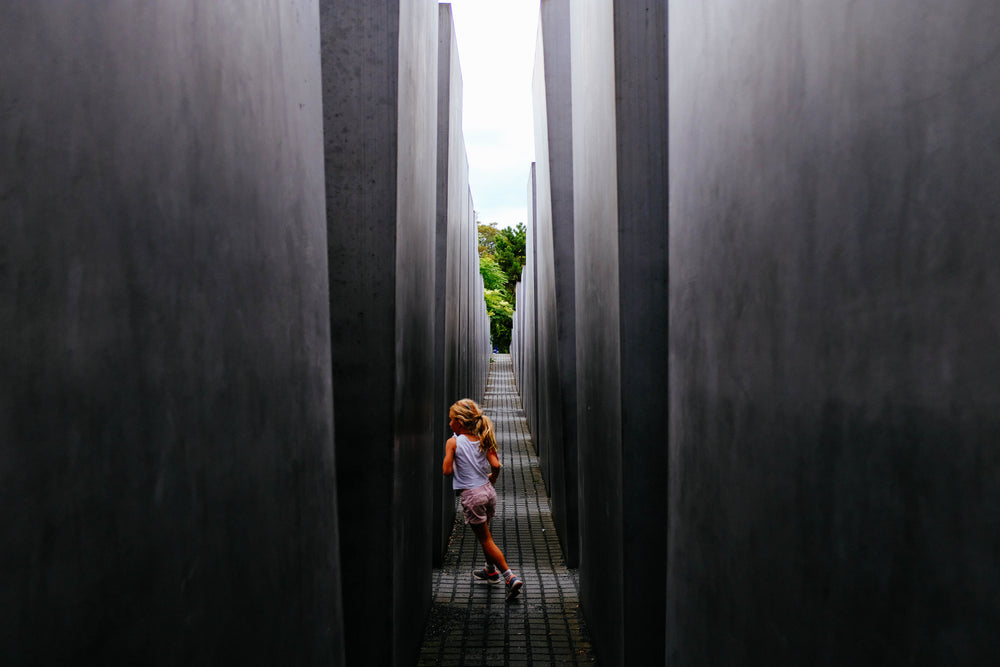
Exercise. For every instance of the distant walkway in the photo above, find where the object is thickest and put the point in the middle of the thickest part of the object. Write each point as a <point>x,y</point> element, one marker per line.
<point>469,623</point>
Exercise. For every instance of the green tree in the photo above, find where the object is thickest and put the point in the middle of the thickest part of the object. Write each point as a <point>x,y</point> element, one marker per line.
<point>487,239</point>
<point>501,256</point>
<point>510,253</point>
<point>493,276</point>
<point>501,314</point>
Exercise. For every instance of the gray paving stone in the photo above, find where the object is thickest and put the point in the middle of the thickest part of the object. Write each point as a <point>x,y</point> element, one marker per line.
<point>544,625</point>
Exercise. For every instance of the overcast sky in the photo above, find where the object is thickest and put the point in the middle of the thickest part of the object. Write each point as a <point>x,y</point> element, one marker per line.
<point>496,46</point>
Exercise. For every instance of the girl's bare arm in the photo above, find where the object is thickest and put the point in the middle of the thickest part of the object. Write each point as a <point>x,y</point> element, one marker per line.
<point>494,460</point>
<point>449,456</point>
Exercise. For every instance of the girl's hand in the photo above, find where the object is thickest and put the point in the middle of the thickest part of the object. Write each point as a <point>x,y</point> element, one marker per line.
<point>495,466</point>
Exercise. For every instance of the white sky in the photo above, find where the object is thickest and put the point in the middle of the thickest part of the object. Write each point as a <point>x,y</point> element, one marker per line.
<point>496,46</point>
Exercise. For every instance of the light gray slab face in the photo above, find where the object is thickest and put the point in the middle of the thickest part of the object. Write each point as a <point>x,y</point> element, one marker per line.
<point>833,193</point>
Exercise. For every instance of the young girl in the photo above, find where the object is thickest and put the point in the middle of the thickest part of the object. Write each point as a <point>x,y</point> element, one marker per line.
<point>472,455</point>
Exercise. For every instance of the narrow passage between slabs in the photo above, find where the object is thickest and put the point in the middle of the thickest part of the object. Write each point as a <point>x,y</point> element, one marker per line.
<point>469,622</point>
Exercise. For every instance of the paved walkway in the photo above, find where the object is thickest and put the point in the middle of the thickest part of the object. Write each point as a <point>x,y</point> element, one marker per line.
<point>469,622</point>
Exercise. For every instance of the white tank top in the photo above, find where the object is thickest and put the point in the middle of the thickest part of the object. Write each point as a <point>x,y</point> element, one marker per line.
<point>472,468</point>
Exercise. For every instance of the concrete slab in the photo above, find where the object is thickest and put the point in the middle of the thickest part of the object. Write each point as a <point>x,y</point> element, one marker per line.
<point>380,110</point>
<point>834,310</point>
<point>556,325</point>
<point>167,471</point>
<point>620,238</point>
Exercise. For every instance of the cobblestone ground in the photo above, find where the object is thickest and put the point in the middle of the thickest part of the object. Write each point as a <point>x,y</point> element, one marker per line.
<point>469,622</point>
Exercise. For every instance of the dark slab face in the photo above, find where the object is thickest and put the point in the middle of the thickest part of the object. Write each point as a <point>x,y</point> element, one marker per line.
<point>619,123</point>
<point>166,471</point>
<point>462,329</point>
<point>833,319</point>
<point>380,104</point>
<point>555,432</point>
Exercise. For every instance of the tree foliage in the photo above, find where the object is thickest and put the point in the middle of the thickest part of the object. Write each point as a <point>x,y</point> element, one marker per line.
<point>487,239</point>
<point>501,257</point>
<point>510,252</point>
<point>494,277</point>
<point>501,313</point>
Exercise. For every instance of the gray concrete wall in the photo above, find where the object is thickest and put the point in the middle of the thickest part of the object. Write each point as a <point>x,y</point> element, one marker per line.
<point>380,111</point>
<point>526,369</point>
<point>597,326</point>
<point>472,352</point>
<point>166,461</point>
<point>516,337</point>
<point>620,238</point>
<point>475,342</point>
<point>556,324</point>
<point>834,317</point>
<point>482,350</point>
<point>450,165</point>
<point>545,406</point>
<point>643,231</point>
<point>463,325</point>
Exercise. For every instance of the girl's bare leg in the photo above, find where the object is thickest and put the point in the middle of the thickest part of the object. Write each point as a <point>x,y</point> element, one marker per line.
<point>489,563</point>
<point>492,551</point>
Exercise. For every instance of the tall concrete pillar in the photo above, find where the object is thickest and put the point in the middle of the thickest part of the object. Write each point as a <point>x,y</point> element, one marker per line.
<point>527,304</point>
<point>459,307</point>
<point>834,317</point>
<point>166,462</point>
<point>619,157</point>
<point>552,107</point>
<point>380,111</point>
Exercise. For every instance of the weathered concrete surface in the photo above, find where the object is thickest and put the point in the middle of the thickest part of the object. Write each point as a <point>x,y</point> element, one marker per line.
<point>643,232</point>
<point>525,315</point>
<point>460,311</point>
<point>835,307</point>
<point>556,332</point>
<point>166,461</point>
<point>380,111</point>
<point>517,336</point>
<point>619,154</point>
<point>449,163</point>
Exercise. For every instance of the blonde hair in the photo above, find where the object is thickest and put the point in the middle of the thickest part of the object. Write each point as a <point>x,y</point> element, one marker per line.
<point>474,420</point>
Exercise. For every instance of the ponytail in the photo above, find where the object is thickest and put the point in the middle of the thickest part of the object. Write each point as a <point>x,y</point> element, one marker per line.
<point>473,420</point>
<point>487,436</point>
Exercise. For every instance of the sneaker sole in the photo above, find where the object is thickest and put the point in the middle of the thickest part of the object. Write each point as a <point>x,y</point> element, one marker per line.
<point>486,581</point>
<point>514,591</point>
